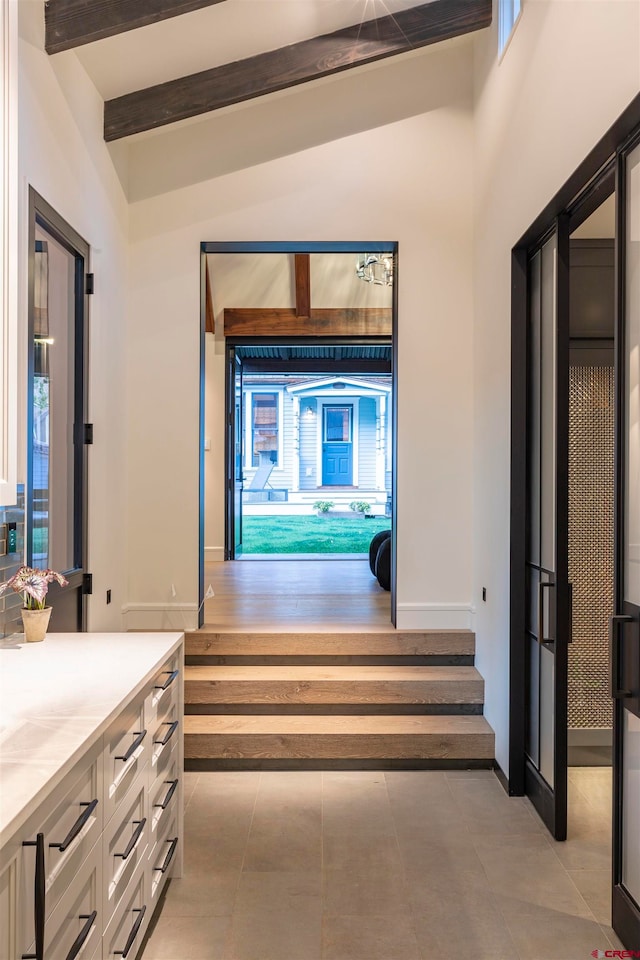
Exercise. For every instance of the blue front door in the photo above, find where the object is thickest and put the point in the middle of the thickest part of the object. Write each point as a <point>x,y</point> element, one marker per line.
<point>337,446</point>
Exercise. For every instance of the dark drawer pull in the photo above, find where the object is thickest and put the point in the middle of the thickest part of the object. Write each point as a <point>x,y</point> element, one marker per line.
<point>169,857</point>
<point>135,836</point>
<point>172,675</point>
<point>139,737</point>
<point>133,934</point>
<point>83,935</point>
<point>39,898</point>
<point>77,827</point>
<point>170,792</point>
<point>170,732</point>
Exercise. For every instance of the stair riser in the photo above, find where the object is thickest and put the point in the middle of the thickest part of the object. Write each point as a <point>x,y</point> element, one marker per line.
<point>426,660</point>
<point>302,763</point>
<point>318,691</point>
<point>342,746</point>
<point>332,709</point>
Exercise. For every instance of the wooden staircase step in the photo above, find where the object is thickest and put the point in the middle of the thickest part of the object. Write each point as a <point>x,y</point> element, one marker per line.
<point>332,685</point>
<point>208,642</point>
<point>367,738</point>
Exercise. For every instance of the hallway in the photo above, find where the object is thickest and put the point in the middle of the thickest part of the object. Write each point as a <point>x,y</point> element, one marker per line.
<point>295,595</point>
<point>402,865</point>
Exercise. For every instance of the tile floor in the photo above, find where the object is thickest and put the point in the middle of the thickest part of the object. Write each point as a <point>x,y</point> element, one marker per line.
<point>406,865</point>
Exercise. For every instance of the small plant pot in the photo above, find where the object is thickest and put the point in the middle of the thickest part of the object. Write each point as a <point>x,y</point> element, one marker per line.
<point>35,623</point>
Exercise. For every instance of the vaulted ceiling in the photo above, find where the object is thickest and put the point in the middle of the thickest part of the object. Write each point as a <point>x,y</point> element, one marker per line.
<point>158,62</point>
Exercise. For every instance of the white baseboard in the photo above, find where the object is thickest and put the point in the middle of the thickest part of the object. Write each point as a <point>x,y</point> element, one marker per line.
<point>434,616</point>
<point>160,616</point>
<point>213,553</point>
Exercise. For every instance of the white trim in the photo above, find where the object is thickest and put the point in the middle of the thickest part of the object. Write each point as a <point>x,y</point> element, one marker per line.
<point>329,381</point>
<point>434,616</point>
<point>381,440</point>
<point>213,553</point>
<point>160,616</point>
<point>349,401</point>
<point>295,433</point>
<point>8,251</point>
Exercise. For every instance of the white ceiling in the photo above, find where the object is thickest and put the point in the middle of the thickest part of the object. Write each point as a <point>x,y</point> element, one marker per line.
<point>225,32</point>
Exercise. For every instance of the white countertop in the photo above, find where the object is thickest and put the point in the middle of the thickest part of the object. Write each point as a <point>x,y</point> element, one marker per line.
<point>56,698</point>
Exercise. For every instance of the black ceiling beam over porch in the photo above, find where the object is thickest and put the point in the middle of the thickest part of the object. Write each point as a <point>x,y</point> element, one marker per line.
<point>72,23</point>
<point>327,366</point>
<point>289,66</point>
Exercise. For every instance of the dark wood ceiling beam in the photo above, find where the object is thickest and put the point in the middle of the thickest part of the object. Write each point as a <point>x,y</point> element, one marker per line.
<point>285,322</point>
<point>72,23</point>
<point>289,66</point>
<point>303,284</point>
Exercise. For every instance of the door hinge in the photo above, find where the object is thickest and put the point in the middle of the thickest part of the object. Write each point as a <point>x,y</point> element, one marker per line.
<point>89,283</point>
<point>87,433</point>
<point>87,584</point>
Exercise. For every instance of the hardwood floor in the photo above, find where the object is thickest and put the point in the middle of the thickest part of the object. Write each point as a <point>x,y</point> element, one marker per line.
<point>295,595</point>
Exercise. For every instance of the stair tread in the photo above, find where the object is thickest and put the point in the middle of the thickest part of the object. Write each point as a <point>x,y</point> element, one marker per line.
<point>338,674</point>
<point>437,725</point>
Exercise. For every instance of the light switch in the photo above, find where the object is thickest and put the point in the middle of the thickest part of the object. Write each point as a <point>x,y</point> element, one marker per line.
<point>207,443</point>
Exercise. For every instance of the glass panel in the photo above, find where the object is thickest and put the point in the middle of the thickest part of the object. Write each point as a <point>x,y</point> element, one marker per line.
<point>547,713</point>
<point>548,405</point>
<point>53,404</point>
<point>265,428</point>
<point>631,805</point>
<point>533,532</point>
<point>337,424</point>
<point>632,349</point>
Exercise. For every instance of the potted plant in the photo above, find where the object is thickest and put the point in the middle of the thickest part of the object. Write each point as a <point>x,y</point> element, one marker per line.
<point>33,585</point>
<point>360,506</point>
<point>323,506</point>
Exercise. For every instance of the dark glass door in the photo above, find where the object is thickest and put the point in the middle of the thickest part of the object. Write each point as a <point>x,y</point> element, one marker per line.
<point>625,625</point>
<point>234,458</point>
<point>547,622</point>
<point>56,500</point>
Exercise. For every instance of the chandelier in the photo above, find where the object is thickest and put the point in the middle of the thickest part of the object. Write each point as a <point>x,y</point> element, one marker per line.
<point>375,268</point>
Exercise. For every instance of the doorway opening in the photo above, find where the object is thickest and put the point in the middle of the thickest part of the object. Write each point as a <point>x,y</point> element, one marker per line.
<point>312,449</point>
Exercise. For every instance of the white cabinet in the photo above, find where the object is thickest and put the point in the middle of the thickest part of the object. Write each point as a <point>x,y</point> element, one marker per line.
<point>88,865</point>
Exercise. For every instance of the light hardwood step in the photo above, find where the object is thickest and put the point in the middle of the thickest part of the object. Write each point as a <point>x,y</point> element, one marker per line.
<point>367,738</point>
<point>280,685</point>
<point>344,645</point>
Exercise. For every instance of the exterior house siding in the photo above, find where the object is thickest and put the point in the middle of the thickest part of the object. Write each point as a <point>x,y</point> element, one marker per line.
<point>308,444</point>
<point>367,444</point>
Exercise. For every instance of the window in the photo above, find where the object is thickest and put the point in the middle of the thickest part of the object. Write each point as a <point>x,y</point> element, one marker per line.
<point>264,428</point>
<point>337,424</point>
<point>508,13</point>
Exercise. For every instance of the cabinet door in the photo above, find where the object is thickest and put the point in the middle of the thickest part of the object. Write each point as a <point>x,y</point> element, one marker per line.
<point>8,906</point>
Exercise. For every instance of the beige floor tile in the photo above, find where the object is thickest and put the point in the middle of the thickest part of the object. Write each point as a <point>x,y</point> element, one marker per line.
<point>558,938</point>
<point>279,891</point>
<point>470,775</point>
<point>360,854</point>
<point>192,938</point>
<point>290,841</point>
<point>204,894</point>
<point>595,887</point>
<point>376,893</point>
<point>487,809</point>
<point>293,935</point>
<point>214,854</point>
<point>369,938</point>
<point>466,925</point>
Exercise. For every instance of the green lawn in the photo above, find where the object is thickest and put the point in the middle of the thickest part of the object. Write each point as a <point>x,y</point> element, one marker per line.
<point>287,534</point>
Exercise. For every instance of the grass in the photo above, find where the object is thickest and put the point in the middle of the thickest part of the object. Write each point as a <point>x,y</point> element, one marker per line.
<point>287,534</point>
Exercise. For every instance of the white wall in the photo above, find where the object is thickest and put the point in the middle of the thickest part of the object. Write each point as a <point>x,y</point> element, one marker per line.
<point>570,70</point>
<point>409,181</point>
<point>63,156</point>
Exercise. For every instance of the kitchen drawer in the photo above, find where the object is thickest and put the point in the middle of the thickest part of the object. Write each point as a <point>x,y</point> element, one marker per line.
<point>76,922</point>
<point>126,838</point>
<point>162,858</point>
<point>71,829</point>
<point>163,795</point>
<point>165,688</point>
<point>165,738</point>
<point>125,931</point>
<point>126,749</point>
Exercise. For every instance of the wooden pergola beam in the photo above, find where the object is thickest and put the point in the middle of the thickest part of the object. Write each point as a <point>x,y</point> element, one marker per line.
<point>285,322</point>
<point>72,23</point>
<point>303,284</point>
<point>289,66</point>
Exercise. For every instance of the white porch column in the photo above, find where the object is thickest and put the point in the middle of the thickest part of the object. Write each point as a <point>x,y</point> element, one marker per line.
<point>381,407</point>
<point>295,471</point>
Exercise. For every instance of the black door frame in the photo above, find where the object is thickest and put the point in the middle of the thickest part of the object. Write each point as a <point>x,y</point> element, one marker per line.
<point>354,247</point>
<point>43,214</point>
